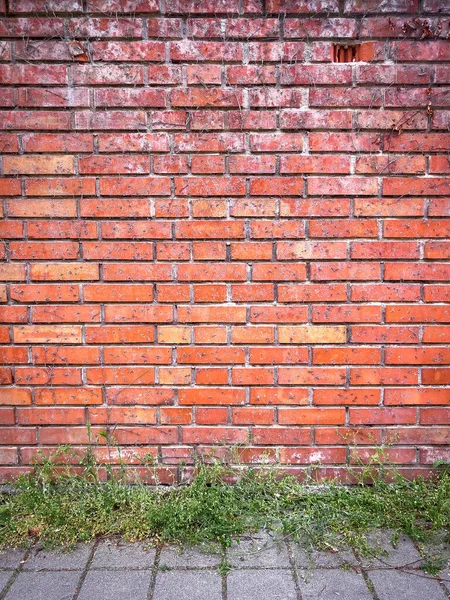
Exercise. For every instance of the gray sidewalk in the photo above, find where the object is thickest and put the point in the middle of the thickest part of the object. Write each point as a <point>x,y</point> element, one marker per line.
<point>259,568</point>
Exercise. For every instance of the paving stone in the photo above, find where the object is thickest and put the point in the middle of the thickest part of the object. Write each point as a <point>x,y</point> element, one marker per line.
<point>4,578</point>
<point>188,585</point>
<point>313,558</point>
<point>59,585</point>
<point>251,584</point>
<point>436,548</point>
<point>332,584</point>
<point>445,578</point>
<point>403,585</point>
<point>11,558</point>
<point>188,557</point>
<point>261,550</point>
<point>113,554</point>
<point>404,553</point>
<point>115,585</point>
<point>43,560</point>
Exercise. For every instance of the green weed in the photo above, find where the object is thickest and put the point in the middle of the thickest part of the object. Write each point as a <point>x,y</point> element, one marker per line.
<point>60,507</point>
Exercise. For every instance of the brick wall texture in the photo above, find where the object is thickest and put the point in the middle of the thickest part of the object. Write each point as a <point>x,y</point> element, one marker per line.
<point>215,236</point>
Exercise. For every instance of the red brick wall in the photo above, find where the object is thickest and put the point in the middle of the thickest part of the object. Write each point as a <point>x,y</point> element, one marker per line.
<point>214,235</point>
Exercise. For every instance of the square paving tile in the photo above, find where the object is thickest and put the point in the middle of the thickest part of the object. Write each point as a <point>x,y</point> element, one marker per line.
<point>332,584</point>
<point>251,584</point>
<point>400,585</point>
<point>11,558</point>
<point>445,576</point>
<point>402,554</point>
<point>116,585</point>
<point>261,550</point>
<point>113,554</point>
<point>4,578</point>
<point>307,558</point>
<point>188,557</point>
<point>53,585</point>
<point>54,560</point>
<point>188,585</point>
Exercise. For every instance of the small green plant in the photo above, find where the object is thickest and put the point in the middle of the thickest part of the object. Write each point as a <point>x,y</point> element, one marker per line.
<point>58,506</point>
<point>225,567</point>
<point>432,565</point>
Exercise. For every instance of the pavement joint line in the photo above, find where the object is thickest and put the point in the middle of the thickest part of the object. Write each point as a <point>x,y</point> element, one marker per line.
<point>85,570</point>
<point>365,576</point>
<point>15,573</point>
<point>293,570</point>
<point>224,579</point>
<point>155,569</point>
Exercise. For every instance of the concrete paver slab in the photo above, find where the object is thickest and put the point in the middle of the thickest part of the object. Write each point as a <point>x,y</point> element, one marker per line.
<point>11,558</point>
<point>54,560</point>
<point>187,585</point>
<point>188,557</point>
<point>252,584</point>
<point>401,585</point>
<point>403,554</point>
<point>111,554</point>
<point>60,585</point>
<point>115,585</point>
<point>445,578</point>
<point>261,550</point>
<point>331,584</point>
<point>313,558</point>
<point>4,578</point>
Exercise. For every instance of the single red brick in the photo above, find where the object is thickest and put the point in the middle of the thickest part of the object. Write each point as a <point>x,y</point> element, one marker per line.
<point>120,375</point>
<point>210,293</point>
<point>129,51</point>
<point>72,395</point>
<point>104,27</point>
<point>51,416</point>
<point>384,335</point>
<point>343,356</point>
<point>139,395</point>
<point>295,207</point>
<point>252,376</point>
<point>400,396</point>
<point>217,435</point>
<point>436,186</point>
<point>210,335</point>
<point>211,416</point>
<point>124,334</point>
<point>384,376</point>
<point>346,397</point>
<point>152,355</point>
<point>276,436</point>
<point>209,251</point>
<point>252,292</point>
<point>311,416</point>
<point>278,395</point>
<point>251,75</point>
<point>402,355</point>
<point>15,396</point>
<point>252,416</point>
<point>274,356</point>
<point>215,376</point>
<point>45,376</point>
<point>211,355</point>
<point>144,313</point>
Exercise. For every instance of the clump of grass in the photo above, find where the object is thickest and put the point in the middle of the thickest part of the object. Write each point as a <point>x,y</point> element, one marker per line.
<point>59,507</point>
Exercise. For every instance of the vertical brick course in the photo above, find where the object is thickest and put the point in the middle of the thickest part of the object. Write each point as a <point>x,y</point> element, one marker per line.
<point>212,234</point>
